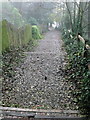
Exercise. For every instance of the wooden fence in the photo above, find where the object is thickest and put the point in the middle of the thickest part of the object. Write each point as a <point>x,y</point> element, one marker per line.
<point>86,49</point>
<point>14,37</point>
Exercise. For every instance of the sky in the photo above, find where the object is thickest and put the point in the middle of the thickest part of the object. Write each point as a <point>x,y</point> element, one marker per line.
<point>43,0</point>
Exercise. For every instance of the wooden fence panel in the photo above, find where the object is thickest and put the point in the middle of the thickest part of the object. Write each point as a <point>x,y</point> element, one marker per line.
<point>12,36</point>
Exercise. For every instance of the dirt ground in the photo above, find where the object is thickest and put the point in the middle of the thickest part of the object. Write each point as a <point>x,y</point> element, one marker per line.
<point>39,81</point>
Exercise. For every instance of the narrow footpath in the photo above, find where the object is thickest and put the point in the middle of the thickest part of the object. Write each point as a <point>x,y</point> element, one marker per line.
<point>39,81</point>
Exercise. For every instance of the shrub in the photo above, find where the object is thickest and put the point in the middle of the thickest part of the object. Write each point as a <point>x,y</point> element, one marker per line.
<point>35,32</point>
<point>12,14</point>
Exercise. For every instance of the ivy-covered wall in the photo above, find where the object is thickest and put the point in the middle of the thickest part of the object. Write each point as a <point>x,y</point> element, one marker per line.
<point>12,36</point>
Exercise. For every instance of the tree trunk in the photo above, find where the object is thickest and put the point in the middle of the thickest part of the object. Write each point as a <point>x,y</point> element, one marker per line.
<point>70,16</point>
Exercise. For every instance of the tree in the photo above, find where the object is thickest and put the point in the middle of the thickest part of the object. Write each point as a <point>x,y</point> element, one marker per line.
<point>11,14</point>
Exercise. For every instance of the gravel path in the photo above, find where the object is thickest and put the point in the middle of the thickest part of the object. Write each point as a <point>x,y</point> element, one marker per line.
<point>39,80</point>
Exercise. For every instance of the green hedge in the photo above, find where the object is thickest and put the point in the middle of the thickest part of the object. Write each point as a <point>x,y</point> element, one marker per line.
<point>12,36</point>
<point>35,32</point>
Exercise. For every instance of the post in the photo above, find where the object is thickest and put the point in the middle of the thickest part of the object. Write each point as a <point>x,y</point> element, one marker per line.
<point>86,49</point>
<point>81,39</point>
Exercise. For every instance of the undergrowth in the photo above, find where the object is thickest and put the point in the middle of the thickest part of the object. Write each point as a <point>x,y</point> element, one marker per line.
<point>77,71</point>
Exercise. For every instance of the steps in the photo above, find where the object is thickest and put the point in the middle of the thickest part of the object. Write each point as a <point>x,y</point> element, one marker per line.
<point>8,113</point>
<point>45,119</point>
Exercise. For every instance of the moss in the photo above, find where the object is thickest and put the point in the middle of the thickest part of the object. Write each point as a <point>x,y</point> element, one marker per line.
<point>13,37</point>
<point>27,34</point>
<point>5,35</point>
<point>10,35</point>
<point>0,37</point>
<point>36,32</point>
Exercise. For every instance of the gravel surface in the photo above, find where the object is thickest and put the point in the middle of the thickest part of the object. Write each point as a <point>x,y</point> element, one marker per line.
<point>39,81</point>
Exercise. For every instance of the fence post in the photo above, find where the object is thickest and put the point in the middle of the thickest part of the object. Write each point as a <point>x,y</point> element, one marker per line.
<point>82,41</point>
<point>86,49</point>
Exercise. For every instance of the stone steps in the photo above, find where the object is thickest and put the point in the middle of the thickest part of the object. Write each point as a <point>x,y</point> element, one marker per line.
<point>8,113</point>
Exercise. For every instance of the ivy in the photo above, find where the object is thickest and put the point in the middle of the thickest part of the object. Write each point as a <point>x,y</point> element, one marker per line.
<point>77,71</point>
